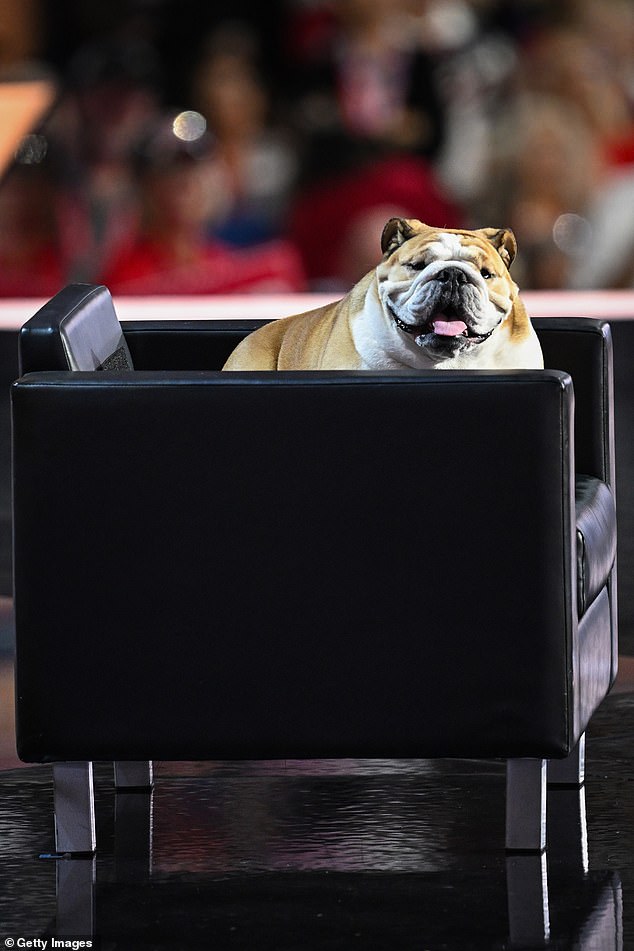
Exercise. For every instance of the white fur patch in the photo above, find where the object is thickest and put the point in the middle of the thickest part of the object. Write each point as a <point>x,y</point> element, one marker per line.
<point>449,247</point>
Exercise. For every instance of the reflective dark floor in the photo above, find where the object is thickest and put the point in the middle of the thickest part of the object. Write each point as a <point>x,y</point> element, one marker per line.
<point>329,855</point>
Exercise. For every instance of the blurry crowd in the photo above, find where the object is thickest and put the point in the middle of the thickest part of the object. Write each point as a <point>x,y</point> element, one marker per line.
<point>267,154</point>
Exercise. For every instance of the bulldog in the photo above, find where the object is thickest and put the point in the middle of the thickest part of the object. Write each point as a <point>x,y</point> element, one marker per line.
<point>439,299</point>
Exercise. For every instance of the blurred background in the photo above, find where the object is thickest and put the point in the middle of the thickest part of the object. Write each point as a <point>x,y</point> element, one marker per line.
<point>201,147</point>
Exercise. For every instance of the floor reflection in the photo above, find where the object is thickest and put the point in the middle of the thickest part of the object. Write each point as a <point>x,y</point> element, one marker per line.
<point>329,855</point>
<point>253,860</point>
<point>319,910</point>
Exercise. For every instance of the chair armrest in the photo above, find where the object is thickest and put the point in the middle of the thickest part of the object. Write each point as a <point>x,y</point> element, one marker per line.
<point>308,543</point>
<point>40,345</point>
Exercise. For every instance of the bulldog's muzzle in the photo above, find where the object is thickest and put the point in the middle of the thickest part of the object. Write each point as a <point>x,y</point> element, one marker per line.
<point>449,301</point>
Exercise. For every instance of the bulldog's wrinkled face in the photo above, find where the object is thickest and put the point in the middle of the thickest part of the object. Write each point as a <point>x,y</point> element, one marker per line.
<point>447,290</point>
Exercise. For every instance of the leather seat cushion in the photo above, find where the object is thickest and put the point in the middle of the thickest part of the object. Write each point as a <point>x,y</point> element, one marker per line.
<point>596,538</point>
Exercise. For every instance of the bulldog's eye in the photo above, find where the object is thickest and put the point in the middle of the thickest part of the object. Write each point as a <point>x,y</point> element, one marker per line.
<point>486,274</point>
<point>416,265</point>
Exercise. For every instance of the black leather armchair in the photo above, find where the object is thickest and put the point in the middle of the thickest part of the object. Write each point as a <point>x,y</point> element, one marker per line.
<point>307,564</point>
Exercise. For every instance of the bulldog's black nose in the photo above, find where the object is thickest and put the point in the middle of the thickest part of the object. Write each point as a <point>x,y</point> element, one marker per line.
<point>454,274</point>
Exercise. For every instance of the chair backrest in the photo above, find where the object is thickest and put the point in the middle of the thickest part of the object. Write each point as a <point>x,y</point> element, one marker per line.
<point>582,347</point>
<point>579,346</point>
<point>77,330</point>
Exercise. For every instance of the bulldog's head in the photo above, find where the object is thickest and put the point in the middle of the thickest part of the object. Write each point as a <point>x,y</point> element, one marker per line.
<point>447,290</point>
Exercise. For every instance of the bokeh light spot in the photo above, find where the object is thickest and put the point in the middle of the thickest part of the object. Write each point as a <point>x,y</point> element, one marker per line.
<point>189,126</point>
<point>572,234</point>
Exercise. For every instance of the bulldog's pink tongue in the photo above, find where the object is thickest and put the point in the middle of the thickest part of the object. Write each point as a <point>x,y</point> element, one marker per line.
<point>448,328</point>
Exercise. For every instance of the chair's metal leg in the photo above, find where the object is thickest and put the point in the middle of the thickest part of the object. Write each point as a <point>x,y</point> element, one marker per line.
<point>74,804</point>
<point>526,805</point>
<point>75,897</point>
<point>133,775</point>
<point>527,897</point>
<point>571,770</point>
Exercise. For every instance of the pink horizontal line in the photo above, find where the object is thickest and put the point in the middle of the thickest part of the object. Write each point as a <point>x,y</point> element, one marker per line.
<point>608,305</point>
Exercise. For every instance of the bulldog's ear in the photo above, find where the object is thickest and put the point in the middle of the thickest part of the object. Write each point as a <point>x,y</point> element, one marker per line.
<point>503,240</point>
<point>395,233</point>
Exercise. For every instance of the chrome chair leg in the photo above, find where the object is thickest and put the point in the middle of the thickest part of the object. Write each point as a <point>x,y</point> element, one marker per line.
<point>526,805</point>
<point>133,775</point>
<point>571,770</point>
